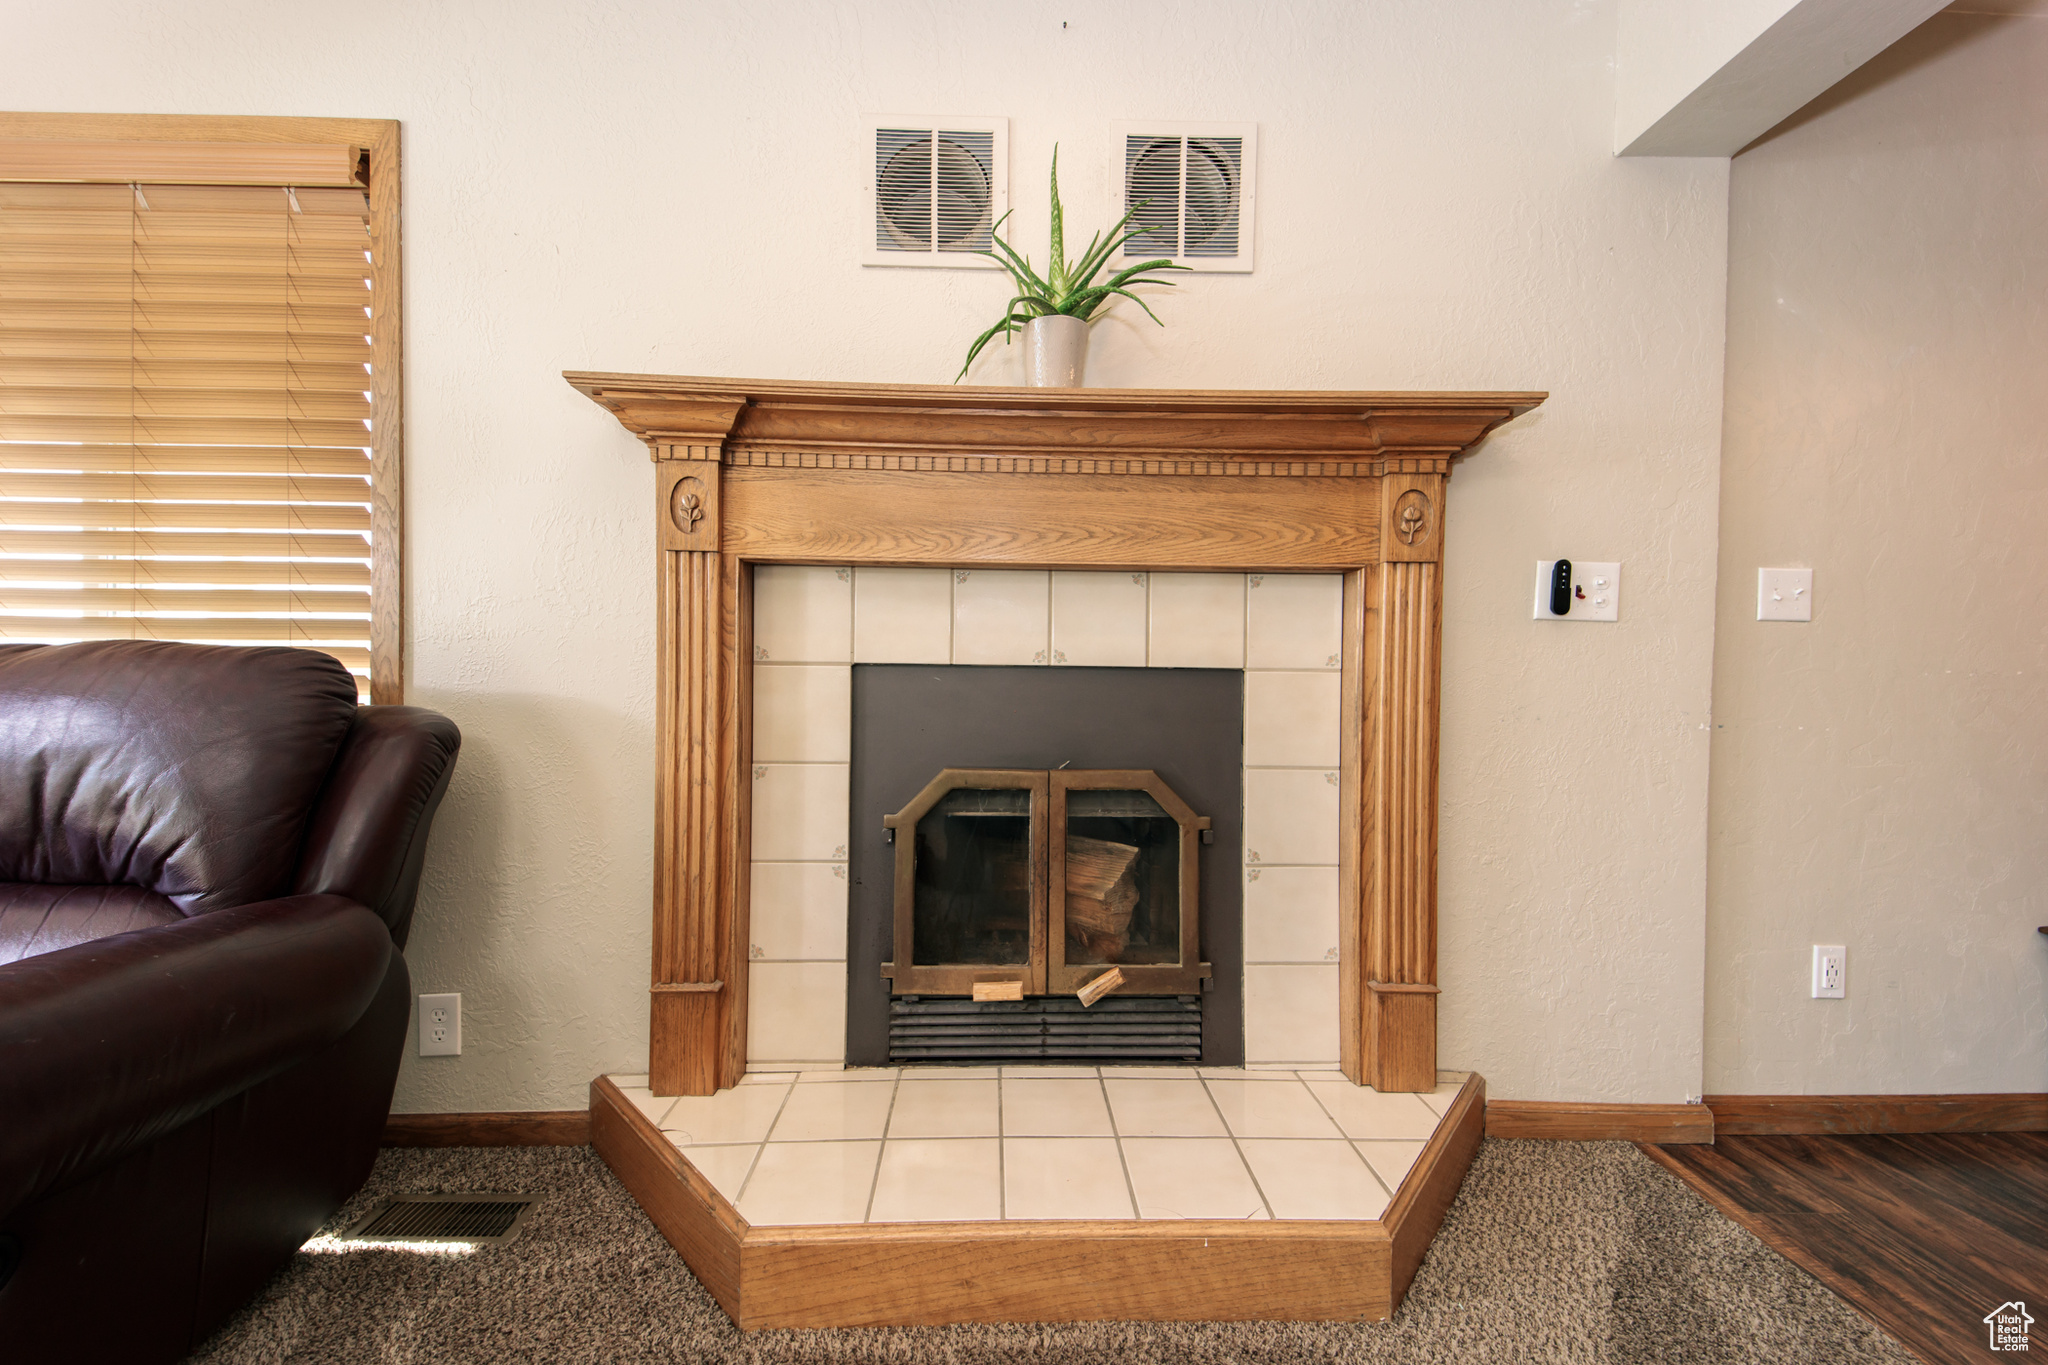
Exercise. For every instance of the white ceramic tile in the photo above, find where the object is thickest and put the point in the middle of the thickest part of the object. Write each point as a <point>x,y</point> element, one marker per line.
<point>1150,1073</point>
<point>1049,1073</point>
<point>1098,619</point>
<point>741,1114</point>
<point>1001,616</point>
<point>803,713</point>
<point>1392,1160</point>
<point>797,911</point>
<point>651,1105</point>
<point>951,1073</point>
<point>1256,1109</point>
<point>1290,914</point>
<point>1439,1100</point>
<point>1327,1073</point>
<point>636,1081</point>
<point>772,1073</point>
<point>939,1180</point>
<point>725,1167</point>
<point>1294,620</point>
<point>1290,816</point>
<point>902,616</point>
<point>1363,1112</point>
<point>810,1182</point>
<point>1314,1179</point>
<point>842,1110</point>
<point>1242,1073</point>
<point>803,614</point>
<point>1162,1108</point>
<point>933,1109</point>
<point>1077,1177</point>
<point>1291,719</point>
<point>1191,1178</point>
<point>796,1012</point>
<point>1197,620</point>
<point>847,1073</point>
<point>800,812</point>
<point>1055,1108</point>
<point>1290,1014</point>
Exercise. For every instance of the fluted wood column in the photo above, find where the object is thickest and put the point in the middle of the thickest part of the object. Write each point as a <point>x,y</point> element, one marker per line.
<point>1404,633</point>
<point>697,1030</point>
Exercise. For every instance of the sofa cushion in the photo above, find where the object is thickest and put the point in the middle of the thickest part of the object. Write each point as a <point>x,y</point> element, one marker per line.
<point>41,919</point>
<point>187,770</point>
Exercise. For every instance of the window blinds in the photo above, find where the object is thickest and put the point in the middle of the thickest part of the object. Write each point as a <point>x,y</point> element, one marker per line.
<point>185,415</point>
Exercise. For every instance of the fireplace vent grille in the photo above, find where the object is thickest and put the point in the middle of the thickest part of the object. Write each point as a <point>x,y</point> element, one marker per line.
<point>1161,1028</point>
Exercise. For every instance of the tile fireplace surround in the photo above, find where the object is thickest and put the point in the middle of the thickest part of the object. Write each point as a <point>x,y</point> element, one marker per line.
<point>805,528</point>
<point>812,624</point>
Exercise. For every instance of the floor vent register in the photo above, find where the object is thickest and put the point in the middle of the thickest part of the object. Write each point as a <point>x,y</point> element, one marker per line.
<point>474,1218</point>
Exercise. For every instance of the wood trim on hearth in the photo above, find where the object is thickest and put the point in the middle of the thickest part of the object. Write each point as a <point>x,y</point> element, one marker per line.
<point>760,472</point>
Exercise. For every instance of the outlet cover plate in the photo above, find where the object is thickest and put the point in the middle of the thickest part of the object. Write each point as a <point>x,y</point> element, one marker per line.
<point>1784,594</point>
<point>1830,971</point>
<point>441,1025</point>
<point>1596,591</point>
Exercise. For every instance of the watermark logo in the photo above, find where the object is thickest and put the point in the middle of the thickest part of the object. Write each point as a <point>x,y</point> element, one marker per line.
<point>2008,1323</point>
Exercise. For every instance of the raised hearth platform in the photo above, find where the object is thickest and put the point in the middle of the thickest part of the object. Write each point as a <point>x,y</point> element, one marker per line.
<point>924,1195</point>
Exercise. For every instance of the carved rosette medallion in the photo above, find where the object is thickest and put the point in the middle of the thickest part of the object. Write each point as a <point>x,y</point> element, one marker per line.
<point>1411,516</point>
<point>686,504</point>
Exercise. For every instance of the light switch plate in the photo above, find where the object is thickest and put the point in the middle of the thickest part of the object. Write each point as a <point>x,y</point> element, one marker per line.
<point>1596,592</point>
<point>1784,594</point>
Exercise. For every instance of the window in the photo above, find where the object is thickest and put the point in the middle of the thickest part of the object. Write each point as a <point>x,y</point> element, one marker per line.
<point>199,384</point>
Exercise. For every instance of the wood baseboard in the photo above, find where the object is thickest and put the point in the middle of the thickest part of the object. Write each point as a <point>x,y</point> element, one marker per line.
<point>519,1128</point>
<point>1599,1122</point>
<point>1844,1114</point>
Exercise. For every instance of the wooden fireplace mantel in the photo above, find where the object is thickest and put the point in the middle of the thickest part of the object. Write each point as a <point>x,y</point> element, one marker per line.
<point>754,472</point>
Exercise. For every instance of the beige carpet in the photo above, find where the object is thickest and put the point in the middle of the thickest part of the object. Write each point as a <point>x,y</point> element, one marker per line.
<point>1554,1251</point>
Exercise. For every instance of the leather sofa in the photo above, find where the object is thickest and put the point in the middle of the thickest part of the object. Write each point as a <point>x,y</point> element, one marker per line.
<point>208,863</point>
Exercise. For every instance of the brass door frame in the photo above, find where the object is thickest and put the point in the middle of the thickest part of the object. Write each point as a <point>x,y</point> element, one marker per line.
<point>1182,978</point>
<point>960,978</point>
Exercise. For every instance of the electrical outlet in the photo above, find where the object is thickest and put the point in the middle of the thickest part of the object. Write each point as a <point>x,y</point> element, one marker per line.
<point>1830,971</point>
<point>1589,592</point>
<point>441,1025</point>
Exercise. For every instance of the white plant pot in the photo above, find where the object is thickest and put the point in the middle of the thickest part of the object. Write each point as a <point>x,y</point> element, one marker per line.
<point>1055,352</point>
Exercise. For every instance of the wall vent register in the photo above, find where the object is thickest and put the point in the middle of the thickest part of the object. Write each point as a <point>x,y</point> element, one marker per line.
<point>936,188</point>
<point>1191,186</point>
<point>1046,880</point>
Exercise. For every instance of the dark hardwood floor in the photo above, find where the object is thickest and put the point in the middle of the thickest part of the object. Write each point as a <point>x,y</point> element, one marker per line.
<point>1923,1233</point>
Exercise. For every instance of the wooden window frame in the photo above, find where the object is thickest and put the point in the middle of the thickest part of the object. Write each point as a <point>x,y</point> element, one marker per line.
<point>379,138</point>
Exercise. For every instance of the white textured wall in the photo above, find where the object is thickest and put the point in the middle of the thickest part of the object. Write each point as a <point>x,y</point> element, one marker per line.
<point>1881,774</point>
<point>673,187</point>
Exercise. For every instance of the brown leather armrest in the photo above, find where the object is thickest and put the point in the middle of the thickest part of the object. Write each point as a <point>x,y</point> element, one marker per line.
<point>368,837</point>
<point>108,1045</point>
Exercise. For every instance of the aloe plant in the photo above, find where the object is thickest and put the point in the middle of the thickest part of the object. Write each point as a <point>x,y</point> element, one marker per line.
<point>1067,288</point>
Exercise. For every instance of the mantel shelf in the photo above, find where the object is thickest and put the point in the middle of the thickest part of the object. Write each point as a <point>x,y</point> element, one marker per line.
<point>743,415</point>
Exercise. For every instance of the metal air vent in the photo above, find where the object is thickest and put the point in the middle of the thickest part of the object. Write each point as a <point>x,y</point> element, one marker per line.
<point>479,1219</point>
<point>1195,183</point>
<point>936,188</point>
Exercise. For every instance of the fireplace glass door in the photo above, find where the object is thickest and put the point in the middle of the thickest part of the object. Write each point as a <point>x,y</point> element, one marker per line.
<point>1046,880</point>
<point>970,880</point>
<point>1124,861</point>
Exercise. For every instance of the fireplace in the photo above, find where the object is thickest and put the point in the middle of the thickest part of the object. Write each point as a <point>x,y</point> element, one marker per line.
<point>1041,838</point>
<point>753,474</point>
<point>1012,883</point>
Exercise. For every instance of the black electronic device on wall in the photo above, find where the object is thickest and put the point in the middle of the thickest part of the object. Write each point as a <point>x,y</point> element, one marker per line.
<point>1561,587</point>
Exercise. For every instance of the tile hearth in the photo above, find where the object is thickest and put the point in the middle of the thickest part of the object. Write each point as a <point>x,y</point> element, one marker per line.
<point>977,1144</point>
